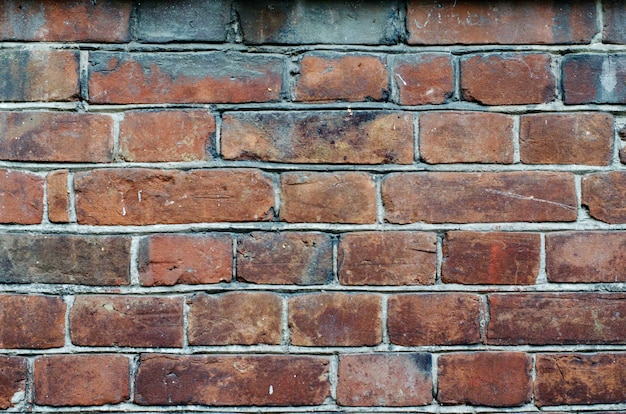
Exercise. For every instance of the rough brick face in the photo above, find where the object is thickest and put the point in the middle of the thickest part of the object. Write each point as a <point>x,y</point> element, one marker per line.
<point>614,16</point>
<point>13,373</point>
<point>594,78</point>
<point>31,321</point>
<point>605,194</point>
<point>423,78</point>
<point>58,196</point>
<point>22,201</point>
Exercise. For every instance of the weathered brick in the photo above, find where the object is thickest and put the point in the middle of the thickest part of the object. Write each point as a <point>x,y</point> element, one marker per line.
<point>423,78</point>
<point>390,379</point>
<point>62,380</point>
<point>22,197</point>
<point>594,78</point>
<point>65,21</point>
<point>202,77</point>
<point>259,380</point>
<point>58,196</point>
<point>108,320</point>
<point>170,259</point>
<point>568,318</point>
<point>285,258</point>
<point>306,22</point>
<point>580,138</point>
<point>490,258</point>
<point>614,16</point>
<point>38,75</point>
<point>545,22</point>
<point>13,373</point>
<point>161,21</point>
<point>31,321</point>
<point>342,197</point>
<point>434,319</point>
<point>455,197</point>
<point>348,77</point>
<point>56,137</point>
<point>565,379</point>
<point>508,79</point>
<point>335,319</point>
<point>605,196</point>
<point>331,137</point>
<point>621,132</point>
<point>586,257</point>
<point>387,258</point>
<point>153,136</point>
<point>61,258</point>
<point>124,196</point>
<point>449,137</point>
<point>234,318</point>
<point>495,379</point>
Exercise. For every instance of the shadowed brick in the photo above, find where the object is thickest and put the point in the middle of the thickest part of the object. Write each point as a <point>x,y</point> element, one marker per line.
<point>614,17</point>
<point>597,78</point>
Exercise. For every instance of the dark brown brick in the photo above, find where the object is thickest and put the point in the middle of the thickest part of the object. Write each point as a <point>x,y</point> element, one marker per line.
<point>32,321</point>
<point>107,320</point>
<point>434,319</point>
<point>331,137</point>
<point>235,318</point>
<point>557,318</point>
<point>127,196</point>
<point>258,380</point>
<point>459,197</point>
<point>58,196</point>
<point>605,196</point>
<point>13,373</point>
<point>390,380</point>
<point>614,15</point>
<point>594,78</point>
<point>171,259</point>
<point>495,379</point>
<point>423,78</point>
<point>76,259</point>
<point>285,258</point>
<point>490,258</point>
<point>335,319</point>
<point>22,197</point>
<point>387,258</point>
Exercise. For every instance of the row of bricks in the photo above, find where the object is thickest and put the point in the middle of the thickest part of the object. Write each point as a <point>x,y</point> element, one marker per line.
<point>232,77</point>
<point>312,137</point>
<point>142,196</point>
<point>390,258</point>
<point>497,379</point>
<point>283,22</point>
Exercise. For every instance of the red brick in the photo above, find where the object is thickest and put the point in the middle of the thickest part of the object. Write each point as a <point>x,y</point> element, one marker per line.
<point>126,196</point>
<point>13,373</point>
<point>423,78</point>
<point>22,197</point>
<point>492,258</point>
<point>65,21</point>
<point>56,137</point>
<point>335,319</point>
<point>391,380</point>
<point>434,319</point>
<point>586,257</point>
<point>38,75</point>
<point>459,197</point>
<point>580,138</point>
<point>348,77</point>
<point>203,77</point>
<point>449,137</point>
<point>107,320</point>
<point>62,380</point>
<point>495,379</point>
<point>32,321</point>
<point>58,196</point>
<point>614,15</point>
<point>161,136</point>
<point>285,258</point>
<point>508,79</point>
<point>341,197</point>
<point>565,379</point>
<point>387,258</point>
<point>594,78</point>
<point>171,259</point>
<point>329,137</point>
<point>547,22</point>
<point>605,196</point>
<point>235,318</point>
<point>259,380</point>
<point>568,318</point>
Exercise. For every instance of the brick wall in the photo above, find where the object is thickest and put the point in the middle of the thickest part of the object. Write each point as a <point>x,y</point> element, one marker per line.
<point>305,205</point>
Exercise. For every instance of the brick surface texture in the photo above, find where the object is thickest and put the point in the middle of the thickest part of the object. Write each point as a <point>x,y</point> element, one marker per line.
<point>302,206</point>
